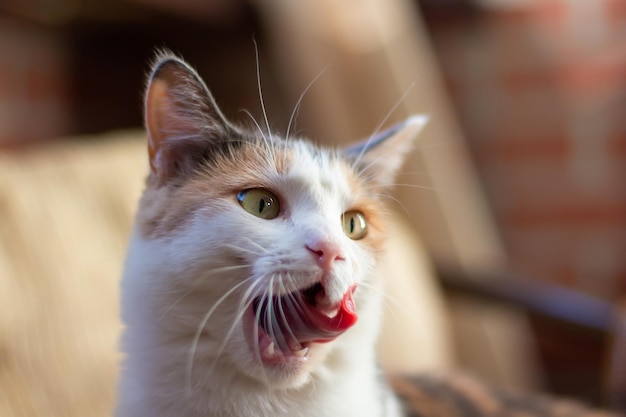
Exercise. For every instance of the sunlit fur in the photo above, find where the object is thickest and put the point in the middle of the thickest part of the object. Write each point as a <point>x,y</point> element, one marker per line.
<point>197,260</point>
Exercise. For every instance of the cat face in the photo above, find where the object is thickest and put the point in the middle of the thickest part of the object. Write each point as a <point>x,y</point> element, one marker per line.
<point>256,253</point>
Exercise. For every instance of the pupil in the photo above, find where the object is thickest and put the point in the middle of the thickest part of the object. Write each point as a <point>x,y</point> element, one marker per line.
<point>262,205</point>
<point>351,224</point>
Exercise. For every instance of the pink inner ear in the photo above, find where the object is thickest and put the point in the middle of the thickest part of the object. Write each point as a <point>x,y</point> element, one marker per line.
<point>170,125</point>
<point>157,103</point>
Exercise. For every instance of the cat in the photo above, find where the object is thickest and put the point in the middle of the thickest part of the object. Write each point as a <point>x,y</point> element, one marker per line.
<point>249,287</point>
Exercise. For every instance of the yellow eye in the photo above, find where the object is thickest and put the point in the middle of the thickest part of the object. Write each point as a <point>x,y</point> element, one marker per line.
<point>260,202</point>
<point>354,224</point>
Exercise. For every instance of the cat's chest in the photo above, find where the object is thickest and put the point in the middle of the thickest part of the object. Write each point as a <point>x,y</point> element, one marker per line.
<point>357,400</point>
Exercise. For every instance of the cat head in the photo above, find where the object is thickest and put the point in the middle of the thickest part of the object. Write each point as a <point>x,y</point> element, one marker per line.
<point>253,254</point>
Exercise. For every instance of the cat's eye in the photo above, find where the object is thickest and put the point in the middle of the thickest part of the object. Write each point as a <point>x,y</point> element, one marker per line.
<point>259,202</point>
<point>354,224</point>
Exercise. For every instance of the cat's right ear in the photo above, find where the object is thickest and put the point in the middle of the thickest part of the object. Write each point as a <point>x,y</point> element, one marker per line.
<point>380,156</point>
<point>182,119</point>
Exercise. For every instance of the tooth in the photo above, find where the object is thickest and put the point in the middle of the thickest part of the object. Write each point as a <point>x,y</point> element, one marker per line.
<point>302,352</point>
<point>270,350</point>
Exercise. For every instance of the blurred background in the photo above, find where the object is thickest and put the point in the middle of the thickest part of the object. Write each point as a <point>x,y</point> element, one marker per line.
<point>516,189</point>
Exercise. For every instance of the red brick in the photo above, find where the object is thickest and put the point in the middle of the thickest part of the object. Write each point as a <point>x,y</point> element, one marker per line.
<point>565,274</point>
<point>615,10</point>
<point>587,258</point>
<point>598,73</point>
<point>511,150</point>
<point>549,11</point>
<point>558,224</point>
<point>523,80</point>
<point>46,85</point>
<point>617,145</point>
<point>621,283</point>
<point>590,214</point>
<point>552,14</point>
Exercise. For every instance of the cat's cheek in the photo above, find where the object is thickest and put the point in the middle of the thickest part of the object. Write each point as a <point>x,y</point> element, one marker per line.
<point>363,261</point>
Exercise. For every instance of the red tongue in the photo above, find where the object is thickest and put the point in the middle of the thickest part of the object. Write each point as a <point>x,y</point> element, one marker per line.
<point>307,323</point>
<point>345,318</point>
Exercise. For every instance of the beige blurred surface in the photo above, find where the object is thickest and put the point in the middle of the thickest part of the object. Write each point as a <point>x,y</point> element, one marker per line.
<point>65,213</point>
<point>416,333</point>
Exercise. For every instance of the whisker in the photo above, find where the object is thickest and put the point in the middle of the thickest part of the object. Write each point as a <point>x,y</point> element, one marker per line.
<point>227,269</point>
<point>269,316</point>
<point>282,313</point>
<point>262,149</point>
<point>190,290</point>
<point>294,305</point>
<point>241,249</point>
<point>252,242</point>
<point>422,174</point>
<point>398,184</point>
<point>203,323</point>
<point>258,79</point>
<point>381,123</point>
<point>257,317</point>
<point>245,111</point>
<point>299,102</point>
<point>245,303</point>
<point>399,203</point>
<point>296,302</point>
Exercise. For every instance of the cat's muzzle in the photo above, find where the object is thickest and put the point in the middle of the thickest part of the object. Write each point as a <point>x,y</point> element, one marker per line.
<point>295,320</point>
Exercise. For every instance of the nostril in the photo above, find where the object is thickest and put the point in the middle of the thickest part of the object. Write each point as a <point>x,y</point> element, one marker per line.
<point>326,254</point>
<point>317,252</point>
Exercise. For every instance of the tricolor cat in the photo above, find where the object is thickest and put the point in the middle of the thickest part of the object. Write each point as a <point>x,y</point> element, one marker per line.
<point>249,288</point>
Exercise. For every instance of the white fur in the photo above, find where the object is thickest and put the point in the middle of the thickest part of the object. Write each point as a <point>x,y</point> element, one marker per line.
<point>169,287</point>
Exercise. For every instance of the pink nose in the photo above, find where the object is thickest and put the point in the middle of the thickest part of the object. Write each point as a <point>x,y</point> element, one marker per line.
<point>326,254</point>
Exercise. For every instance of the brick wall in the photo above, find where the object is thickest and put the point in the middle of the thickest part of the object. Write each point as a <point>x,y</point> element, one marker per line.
<point>541,92</point>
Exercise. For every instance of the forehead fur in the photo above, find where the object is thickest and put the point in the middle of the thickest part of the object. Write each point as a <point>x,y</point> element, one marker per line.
<point>297,171</point>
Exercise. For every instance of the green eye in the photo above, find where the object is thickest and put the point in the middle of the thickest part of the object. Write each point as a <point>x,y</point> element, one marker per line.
<point>260,202</point>
<point>354,224</point>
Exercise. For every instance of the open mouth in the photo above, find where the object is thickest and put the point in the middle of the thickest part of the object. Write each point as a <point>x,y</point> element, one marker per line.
<point>288,324</point>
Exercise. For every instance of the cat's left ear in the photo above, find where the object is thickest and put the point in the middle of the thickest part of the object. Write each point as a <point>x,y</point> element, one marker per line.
<point>380,156</point>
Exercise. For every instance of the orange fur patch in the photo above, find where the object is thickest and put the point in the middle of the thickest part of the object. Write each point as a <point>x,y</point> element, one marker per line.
<point>167,208</point>
<point>374,211</point>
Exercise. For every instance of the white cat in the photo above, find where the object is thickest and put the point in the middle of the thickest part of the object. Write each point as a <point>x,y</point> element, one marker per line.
<point>251,259</point>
